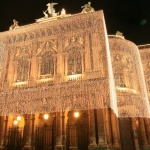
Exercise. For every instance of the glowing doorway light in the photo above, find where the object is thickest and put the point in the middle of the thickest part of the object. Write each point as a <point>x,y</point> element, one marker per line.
<point>15,122</point>
<point>76,114</point>
<point>18,118</point>
<point>46,116</point>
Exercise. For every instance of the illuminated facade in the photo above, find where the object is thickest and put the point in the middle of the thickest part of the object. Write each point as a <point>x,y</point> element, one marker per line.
<point>65,82</point>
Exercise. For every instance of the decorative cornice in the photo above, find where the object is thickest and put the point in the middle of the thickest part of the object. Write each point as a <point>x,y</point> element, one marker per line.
<point>144,46</point>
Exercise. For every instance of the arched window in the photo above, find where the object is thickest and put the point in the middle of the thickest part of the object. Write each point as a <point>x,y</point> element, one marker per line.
<point>22,69</point>
<point>47,65</point>
<point>74,61</point>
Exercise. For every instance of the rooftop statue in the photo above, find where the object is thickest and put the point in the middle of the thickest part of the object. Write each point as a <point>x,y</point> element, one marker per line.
<point>49,13</point>
<point>14,25</point>
<point>87,8</point>
<point>119,34</point>
<point>45,14</point>
<point>51,9</point>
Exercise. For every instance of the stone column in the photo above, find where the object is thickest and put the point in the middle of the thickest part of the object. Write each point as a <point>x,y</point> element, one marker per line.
<point>83,59</point>
<point>32,130</point>
<point>59,137</point>
<point>108,131</point>
<point>5,129</point>
<point>95,50</point>
<point>39,61</point>
<point>92,134</point>
<point>114,130</point>
<point>142,132</point>
<point>2,129</point>
<point>60,62</point>
<point>101,128</point>
<point>87,54</point>
<point>15,70</point>
<point>33,63</point>
<point>134,128</point>
<point>147,127</point>
<point>28,132</point>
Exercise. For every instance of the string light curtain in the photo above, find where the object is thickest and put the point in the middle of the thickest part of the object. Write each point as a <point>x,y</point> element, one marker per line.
<point>132,98</point>
<point>2,47</point>
<point>57,65</point>
<point>145,57</point>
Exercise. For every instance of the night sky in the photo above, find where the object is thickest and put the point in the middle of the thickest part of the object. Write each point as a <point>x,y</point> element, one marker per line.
<point>131,17</point>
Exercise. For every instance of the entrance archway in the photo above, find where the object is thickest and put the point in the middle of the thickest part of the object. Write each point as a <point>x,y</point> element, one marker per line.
<point>126,135</point>
<point>77,131</point>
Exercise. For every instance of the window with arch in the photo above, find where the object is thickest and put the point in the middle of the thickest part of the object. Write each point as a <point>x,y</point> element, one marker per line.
<point>22,64</point>
<point>47,65</point>
<point>46,59</point>
<point>22,69</point>
<point>74,60</point>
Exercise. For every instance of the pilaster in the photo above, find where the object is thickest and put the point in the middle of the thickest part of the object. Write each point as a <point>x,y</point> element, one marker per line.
<point>114,130</point>
<point>102,142</point>
<point>135,133</point>
<point>108,130</point>
<point>28,132</point>
<point>143,141</point>
<point>59,136</point>
<point>2,129</point>
<point>92,134</point>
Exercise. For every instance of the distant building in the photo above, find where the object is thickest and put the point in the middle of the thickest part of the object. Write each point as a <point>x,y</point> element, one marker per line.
<point>66,85</point>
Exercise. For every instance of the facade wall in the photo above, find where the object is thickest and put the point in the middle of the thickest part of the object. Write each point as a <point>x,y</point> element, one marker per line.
<point>39,58</point>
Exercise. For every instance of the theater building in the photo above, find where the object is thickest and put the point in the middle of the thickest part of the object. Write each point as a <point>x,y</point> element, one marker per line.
<point>66,84</point>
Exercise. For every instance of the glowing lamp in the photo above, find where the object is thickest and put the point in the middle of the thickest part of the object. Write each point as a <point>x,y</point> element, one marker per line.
<point>46,116</point>
<point>76,114</point>
<point>18,118</point>
<point>15,122</point>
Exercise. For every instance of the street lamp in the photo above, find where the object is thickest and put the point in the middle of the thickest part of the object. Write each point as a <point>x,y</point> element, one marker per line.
<point>18,118</point>
<point>76,114</point>
<point>15,122</point>
<point>46,116</point>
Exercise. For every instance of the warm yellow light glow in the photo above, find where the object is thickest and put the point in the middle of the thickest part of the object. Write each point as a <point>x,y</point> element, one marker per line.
<point>63,12</point>
<point>45,79</point>
<point>125,89</point>
<point>76,114</point>
<point>75,77</point>
<point>122,88</point>
<point>20,83</point>
<point>137,122</point>
<point>134,91</point>
<point>18,118</point>
<point>46,116</point>
<point>15,122</point>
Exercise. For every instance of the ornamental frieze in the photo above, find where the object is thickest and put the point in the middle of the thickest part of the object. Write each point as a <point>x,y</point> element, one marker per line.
<point>76,23</point>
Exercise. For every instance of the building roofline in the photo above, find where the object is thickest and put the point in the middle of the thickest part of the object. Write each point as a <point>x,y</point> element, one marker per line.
<point>115,36</point>
<point>144,46</point>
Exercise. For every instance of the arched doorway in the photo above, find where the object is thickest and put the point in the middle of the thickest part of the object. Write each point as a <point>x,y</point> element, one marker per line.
<point>126,134</point>
<point>15,135</point>
<point>77,131</point>
<point>45,133</point>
